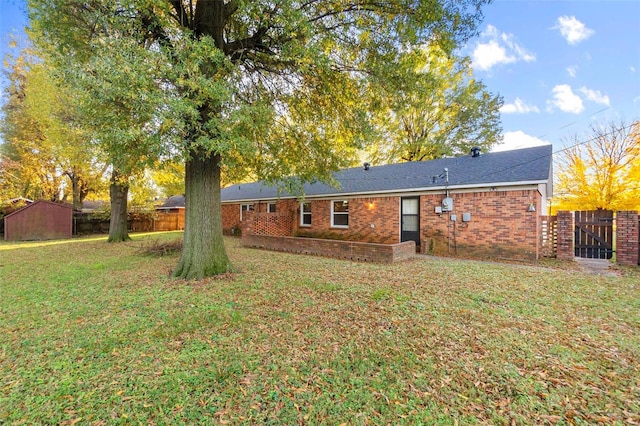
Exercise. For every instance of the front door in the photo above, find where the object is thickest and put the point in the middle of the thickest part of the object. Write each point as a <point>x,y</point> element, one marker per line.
<point>410,220</point>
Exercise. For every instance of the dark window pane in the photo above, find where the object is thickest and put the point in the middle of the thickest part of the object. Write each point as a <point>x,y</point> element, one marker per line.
<point>341,219</point>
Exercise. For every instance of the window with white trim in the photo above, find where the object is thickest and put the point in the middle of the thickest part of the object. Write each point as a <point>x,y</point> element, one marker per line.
<point>245,208</point>
<point>340,213</point>
<point>271,207</point>
<point>305,214</point>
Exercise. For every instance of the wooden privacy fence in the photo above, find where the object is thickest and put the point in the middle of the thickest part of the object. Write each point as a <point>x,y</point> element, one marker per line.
<point>84,224</point>
<point>161,222</point>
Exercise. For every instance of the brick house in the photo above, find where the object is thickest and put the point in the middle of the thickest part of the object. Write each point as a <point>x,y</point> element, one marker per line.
<point>479,205</point>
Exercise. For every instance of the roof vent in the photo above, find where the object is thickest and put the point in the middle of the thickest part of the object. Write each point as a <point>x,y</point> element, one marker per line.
<point>366,166</point>
<point>475,151</point>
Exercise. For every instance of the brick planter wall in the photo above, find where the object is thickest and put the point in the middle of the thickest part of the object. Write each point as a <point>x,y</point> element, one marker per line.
<point>363,252</point>
<point>627,237</point>
<point>566,229</point>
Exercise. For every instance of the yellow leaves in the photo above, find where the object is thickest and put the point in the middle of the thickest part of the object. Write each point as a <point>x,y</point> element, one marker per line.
<point>603,172</point>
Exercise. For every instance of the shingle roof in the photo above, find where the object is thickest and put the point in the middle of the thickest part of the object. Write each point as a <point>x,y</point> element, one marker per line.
<point>528,165</point>
<point>173,202</point>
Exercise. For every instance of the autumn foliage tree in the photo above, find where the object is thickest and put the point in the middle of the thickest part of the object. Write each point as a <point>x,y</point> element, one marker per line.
<point>600,170</point>
<point>435,108</point>
<point>46,153</point>
<point>27,168</point>
<point>279,88</point>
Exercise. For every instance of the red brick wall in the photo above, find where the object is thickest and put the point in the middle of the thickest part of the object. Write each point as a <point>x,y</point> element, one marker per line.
<point>231,214</point>
<point>371,220</point>
<point>500,225</point>
<point>627,237</point>
<point>270,224</point>
<point>363,252</point>
<point>566,227</point>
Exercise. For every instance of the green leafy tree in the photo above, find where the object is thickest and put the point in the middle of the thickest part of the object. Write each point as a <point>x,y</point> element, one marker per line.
<point>54,104</point>
<point>279,88</point>
<point>169,177</point>
<point>46,151</point>
<point>123,123</point>
<point>600,170</point>
<point>435,108</point>
<point>118,79</point>
<point>29,167</point>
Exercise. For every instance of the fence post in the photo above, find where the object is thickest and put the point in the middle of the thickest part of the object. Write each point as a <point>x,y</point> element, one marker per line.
<point>627,238</point>
<point>566,230</point>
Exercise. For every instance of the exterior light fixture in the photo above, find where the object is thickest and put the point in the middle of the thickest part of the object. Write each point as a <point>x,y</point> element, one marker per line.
<point>531,208</point>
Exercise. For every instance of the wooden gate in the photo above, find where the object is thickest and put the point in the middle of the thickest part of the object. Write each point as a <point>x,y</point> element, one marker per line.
<point>594,234</point>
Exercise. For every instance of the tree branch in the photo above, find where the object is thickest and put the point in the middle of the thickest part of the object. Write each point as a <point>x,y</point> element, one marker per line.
<point>180,14</point>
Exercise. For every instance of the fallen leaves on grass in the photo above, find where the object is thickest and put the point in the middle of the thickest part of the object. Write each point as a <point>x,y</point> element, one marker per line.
<point>295,339</point>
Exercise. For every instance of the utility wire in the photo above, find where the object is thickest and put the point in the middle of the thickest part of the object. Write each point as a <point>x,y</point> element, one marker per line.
<point>558,151</point>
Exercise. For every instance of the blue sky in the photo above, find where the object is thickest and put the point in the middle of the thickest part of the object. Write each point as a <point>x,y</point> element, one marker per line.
<point>561,66</point>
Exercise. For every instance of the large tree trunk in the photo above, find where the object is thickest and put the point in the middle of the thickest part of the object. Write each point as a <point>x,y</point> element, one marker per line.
<point>203,252</point>
<point>118,191</point>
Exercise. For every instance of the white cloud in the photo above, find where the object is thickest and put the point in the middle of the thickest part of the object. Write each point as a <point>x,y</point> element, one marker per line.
<point>633,69</point>
<point>486,55</point>
<point>595,96</point>
<point>565,100</point>
<point>518,107</point>
<point>497,48</point>
<point>517,140</point>
<point>573,70</point>
<point>573,30</point>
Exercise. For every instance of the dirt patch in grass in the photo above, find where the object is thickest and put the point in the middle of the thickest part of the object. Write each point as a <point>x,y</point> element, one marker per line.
<point>97,333</point>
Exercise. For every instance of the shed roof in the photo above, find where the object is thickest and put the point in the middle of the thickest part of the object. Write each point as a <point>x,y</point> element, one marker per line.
<point>505,168</point>
<point>34,204</point>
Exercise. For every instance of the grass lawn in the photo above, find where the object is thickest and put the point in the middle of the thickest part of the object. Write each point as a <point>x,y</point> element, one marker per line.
<point>96,333</point>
